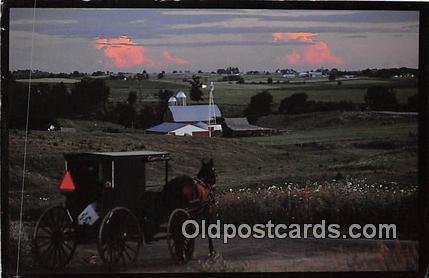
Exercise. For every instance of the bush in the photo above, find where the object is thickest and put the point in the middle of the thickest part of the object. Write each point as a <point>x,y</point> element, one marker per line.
<point>381,98</point>
<point>260,105</point>
<point>412,103</point>
<point>298,103</point>
<point>295,104</point>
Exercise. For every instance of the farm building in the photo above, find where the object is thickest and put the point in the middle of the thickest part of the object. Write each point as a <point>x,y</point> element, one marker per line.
<point>178,129</point>
<point>240,127</point>
<point>189,113</point>
<point>182,119</point>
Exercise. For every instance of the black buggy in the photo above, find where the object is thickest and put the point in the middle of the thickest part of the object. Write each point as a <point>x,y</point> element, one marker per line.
<point>109,202</point>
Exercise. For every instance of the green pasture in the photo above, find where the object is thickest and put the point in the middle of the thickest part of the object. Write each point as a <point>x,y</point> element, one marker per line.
<point>399,131</point>
<point>50,80</point>
<point>233,98</point>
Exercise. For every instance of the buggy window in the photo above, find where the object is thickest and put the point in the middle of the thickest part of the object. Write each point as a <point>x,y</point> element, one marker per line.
<point>155,175</point>
<point>86,173</point>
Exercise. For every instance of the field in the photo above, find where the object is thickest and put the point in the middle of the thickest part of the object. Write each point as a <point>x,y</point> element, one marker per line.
<point>341,166</point>
<point>51,80</point>
<point>233,98</point>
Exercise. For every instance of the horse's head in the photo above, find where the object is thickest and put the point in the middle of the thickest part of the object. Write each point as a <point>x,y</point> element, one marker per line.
<point>207,173</point>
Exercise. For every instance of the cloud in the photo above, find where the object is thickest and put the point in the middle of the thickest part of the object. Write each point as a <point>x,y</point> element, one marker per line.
<point>47,21</point>
<point>124,53</point>
<point>170,59</point>
<point>293,58</point>
<point>301,36</point>
<point>317,53</point>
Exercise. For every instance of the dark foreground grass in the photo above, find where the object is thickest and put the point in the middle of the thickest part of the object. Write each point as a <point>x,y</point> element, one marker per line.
<point>337,202</point>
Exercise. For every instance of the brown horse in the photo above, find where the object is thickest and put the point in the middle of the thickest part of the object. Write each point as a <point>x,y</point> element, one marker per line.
<point>196,194</point>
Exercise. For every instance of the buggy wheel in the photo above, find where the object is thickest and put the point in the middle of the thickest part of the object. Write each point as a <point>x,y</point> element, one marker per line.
<point>53,238</point>
<point>119,237</point>
<point>181,248</point>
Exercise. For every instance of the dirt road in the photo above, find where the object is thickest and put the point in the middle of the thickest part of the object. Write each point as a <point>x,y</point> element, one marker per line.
<point>258,255</point>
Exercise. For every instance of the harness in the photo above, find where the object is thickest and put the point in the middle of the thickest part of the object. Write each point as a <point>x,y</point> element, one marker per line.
<point>195,198</point>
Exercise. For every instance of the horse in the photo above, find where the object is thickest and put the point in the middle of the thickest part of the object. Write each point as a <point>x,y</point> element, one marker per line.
<point>187,192</point>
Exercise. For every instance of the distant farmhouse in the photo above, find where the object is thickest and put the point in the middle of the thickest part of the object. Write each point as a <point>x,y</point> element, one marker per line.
<point>181,119</point>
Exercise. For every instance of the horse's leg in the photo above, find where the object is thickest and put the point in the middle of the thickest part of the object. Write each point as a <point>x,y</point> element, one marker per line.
<point>209,221</point>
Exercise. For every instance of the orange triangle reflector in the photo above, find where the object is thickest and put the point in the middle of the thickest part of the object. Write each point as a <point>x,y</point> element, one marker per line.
<point>67,183</point>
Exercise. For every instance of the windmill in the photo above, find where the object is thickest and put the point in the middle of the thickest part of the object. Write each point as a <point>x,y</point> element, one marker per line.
<point>212,112</point>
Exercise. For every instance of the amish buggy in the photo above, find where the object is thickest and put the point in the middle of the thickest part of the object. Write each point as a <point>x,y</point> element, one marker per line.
<point>108,202</point>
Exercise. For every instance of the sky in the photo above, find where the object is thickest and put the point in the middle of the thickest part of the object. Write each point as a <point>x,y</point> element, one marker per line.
<point>133,40</point>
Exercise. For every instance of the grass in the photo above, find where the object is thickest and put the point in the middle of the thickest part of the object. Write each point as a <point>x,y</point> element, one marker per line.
<point>330,135</point>
<point>344,202</point>
<point>341,167</point>
<point>233,98</point>
<point>51,80</point>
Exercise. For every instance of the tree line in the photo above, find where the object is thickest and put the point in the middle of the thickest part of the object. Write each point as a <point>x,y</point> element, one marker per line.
<point>376,98</point>
<point>89,100</point>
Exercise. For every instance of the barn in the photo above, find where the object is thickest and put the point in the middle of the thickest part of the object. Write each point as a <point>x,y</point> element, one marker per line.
<point>178,129</point>
<point>189,113</point>
<point>183,119</point>
<point>240,127</point>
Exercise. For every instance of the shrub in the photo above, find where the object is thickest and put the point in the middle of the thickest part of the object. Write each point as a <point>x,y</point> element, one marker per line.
<point>381,98</point>
<point>260,105</point>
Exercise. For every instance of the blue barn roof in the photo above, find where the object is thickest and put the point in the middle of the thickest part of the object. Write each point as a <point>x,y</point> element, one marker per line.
<point>192,113</point>
<point>202,125</point>
<point>166,127</point>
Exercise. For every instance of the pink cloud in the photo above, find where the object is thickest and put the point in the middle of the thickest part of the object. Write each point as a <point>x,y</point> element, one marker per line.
<point>124,52</point>
<point>293,58</point>
<point>300,36</point>
<point>170,59</point>
<point>316,53</point>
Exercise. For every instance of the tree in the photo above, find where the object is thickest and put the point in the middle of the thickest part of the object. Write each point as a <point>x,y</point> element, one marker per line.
<point>270,80</point>
<point>146,118</point>
<point>366,72</point>
<point>413,103</point>
<point>89,95</point>
<point>41,106</point>
<point>143,76</point>
<point>296,103</point>
<point>260,105</point>
<point>59,100</point>
<point>240,80</point>
<point>161,75</point>
<point>123,114</point>
<point>196,94</point>
<point>381,98</point>
<point>163,96</point>
<point>132,98</point>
